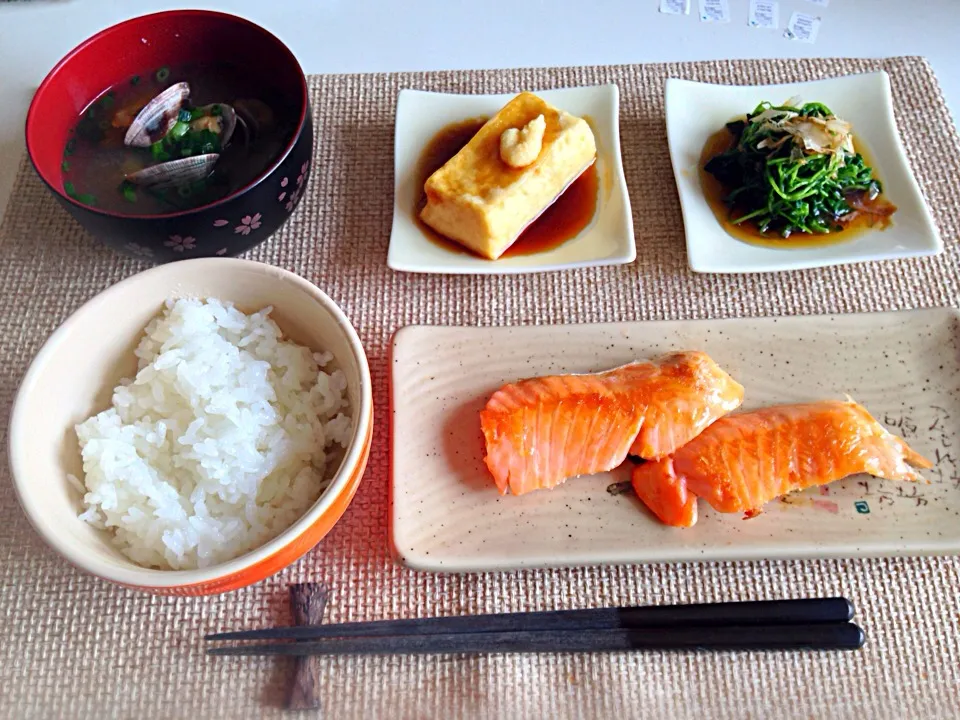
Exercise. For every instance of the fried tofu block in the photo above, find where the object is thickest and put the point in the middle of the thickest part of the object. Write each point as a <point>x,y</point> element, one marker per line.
<point>484,203</point>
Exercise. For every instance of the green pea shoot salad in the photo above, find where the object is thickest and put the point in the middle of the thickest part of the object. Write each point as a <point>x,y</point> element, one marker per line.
<point>794,169</point>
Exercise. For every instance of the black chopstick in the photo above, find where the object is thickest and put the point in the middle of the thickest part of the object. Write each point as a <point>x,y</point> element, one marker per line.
<point>806,611</point>
<point>820,636</point>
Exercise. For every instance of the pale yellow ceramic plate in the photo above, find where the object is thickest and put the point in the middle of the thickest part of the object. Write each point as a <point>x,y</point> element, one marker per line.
<point>447,514</point>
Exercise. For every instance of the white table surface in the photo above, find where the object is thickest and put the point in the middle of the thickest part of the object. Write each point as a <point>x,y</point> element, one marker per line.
<point>335,36</point>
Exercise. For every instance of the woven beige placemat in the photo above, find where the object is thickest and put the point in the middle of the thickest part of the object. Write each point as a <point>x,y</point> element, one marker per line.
<point>72,646</point>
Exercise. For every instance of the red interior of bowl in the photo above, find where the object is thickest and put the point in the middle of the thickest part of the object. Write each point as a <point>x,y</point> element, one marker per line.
<point>140,45</point>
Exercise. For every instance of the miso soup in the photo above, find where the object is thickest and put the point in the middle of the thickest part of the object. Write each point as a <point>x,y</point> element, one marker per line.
<point>101,171</point>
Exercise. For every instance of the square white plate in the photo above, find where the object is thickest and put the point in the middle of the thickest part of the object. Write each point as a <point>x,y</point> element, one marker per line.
<point>608,240</point>
<point>447,515</point>
<point>695,111</point>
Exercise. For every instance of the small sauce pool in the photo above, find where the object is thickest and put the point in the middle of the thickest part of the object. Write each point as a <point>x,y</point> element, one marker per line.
<point>563,220</point>
<point>723,140</point>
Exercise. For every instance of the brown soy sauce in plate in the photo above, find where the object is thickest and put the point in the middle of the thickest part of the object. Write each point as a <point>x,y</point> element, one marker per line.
<point>562,221</point>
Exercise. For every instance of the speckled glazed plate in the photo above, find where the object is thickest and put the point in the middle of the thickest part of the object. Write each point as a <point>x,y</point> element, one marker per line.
<point>447,515</point>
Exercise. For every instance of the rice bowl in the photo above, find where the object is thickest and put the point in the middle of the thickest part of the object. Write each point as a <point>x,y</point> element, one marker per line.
<point>73,378</point>
<point>218,444</point>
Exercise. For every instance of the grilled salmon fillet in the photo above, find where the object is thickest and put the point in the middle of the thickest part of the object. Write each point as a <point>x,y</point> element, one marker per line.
<point>541,431</point>
<point>743,461</point>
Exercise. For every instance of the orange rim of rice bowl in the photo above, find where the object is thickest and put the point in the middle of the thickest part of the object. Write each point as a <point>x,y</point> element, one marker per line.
<point>289,553</point>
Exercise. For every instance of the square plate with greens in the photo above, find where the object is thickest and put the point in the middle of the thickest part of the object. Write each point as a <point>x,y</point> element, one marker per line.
<point>696,111</point>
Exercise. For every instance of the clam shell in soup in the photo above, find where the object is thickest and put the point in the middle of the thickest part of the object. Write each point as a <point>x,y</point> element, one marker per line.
<point>176,172</point>
<point>157,117</point>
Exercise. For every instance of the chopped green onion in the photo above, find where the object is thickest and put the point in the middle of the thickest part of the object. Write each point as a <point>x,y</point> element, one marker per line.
<point>159,151</point>
<point>107,100</point>
<point>179,129</point>
<point>65,166</point>
<point>87,199</point>
<point>69,189</point>
<point>71,146</point>
<point>197,113</point>
<point>135,80</point>
<point>129,192</point>
<point>216,111</point>
<point>163,73</point>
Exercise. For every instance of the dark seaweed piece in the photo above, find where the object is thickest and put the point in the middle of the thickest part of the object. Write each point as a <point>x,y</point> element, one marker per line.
<point>736,127</point>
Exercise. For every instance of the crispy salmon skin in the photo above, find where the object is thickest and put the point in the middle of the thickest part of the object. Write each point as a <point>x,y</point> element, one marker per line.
<point>743,461</point>
<point>541,431</point>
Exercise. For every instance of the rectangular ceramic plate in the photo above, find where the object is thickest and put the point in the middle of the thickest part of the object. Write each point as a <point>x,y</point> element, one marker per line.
<point>695,111</point>
<point>447,514</point>
<point>608,240</point>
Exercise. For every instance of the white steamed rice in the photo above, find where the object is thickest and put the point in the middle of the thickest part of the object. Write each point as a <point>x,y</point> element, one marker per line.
<point>221,442</point>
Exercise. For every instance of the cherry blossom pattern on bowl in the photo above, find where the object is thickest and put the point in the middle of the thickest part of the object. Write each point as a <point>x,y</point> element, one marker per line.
<point>248,223</point>
<point>291,198</point>
<point>178,243</point>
